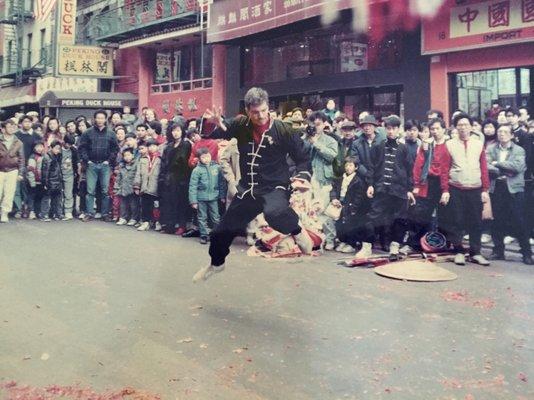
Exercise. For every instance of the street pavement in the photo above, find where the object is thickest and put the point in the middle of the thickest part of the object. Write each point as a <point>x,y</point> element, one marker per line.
<point>96,311</point>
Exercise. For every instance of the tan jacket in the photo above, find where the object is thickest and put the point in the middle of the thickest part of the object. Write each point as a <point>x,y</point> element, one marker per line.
<point>229,161</point>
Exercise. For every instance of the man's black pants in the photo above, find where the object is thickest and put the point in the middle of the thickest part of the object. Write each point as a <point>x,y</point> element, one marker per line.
<point>509,218</point>
<point>275,207</point>
<point>466,208</point>
<point>387,213</point>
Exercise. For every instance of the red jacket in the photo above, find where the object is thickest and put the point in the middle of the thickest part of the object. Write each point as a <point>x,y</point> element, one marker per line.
<point>210,144</point>
<point>438,167</point>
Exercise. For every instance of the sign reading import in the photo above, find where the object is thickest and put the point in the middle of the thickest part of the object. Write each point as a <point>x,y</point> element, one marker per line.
<point>88,61</point>
<point>229,19</point>
<point>478,24</point>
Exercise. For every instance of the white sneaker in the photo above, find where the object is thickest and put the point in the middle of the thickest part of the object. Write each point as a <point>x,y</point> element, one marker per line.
<point>508,240</point>
<point>459,259</point>
<point>347,248</point>
<point>250,240</point>
<point>304,241</point>
<point>122,221</point>
<point>394,248</point>
<point>131,222</point>
<point>479,259</point>
<point>329,246</point>
<point>81,216</point>
<point>405,250</point>
<point>145,226</point>
<point>466,237</point>
<point>67,217</point>
<point>98,216</point>
<point>32,215</point>
<point>157,228</point>
<point>485,238</point>
<point>531,241</point>
<point>205,272</point>
<point>365,252</point>
<point>4,218</point>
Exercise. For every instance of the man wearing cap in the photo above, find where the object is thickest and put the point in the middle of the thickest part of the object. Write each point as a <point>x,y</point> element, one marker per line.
<point>390,186</point>
<point>264,145</point>
<point>361,147</point>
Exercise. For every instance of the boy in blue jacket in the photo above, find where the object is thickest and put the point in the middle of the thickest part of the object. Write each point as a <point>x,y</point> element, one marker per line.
<point>206,187</point>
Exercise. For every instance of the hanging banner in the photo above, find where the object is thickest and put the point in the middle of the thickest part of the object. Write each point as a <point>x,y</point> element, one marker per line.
<point>85,61</point>
<point>163,68</point>
<point>67,22</point>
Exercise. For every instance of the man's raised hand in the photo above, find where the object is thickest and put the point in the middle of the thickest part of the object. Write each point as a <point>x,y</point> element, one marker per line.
<point>215,115</point>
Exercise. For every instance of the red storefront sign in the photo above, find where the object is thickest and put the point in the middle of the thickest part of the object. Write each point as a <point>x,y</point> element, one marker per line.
<point>476,24</point>
<point>230,19</point>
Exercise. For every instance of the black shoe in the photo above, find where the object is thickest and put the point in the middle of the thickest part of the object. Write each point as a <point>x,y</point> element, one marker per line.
<point>191,233</point>
<point>497,256</point>
<point>108,218</point>
<point>87,218</point>
<point>203,240</point>
<point>527,260</point>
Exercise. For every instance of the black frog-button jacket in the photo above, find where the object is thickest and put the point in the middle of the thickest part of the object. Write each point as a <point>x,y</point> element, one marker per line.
<point>264,166</point>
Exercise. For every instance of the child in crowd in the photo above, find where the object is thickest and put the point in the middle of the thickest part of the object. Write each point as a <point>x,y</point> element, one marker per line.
<point>36,192</point>
<point>206,186</point>
<point>349,193</point>
<point>124,188</point>
<point>52,180</point>
<point>70,165</point>
<point>146,182</point>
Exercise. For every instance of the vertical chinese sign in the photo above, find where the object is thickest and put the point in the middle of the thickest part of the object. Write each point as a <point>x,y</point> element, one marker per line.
<point>479,24</point>
<point>85,61</point>
<point>66,29</point>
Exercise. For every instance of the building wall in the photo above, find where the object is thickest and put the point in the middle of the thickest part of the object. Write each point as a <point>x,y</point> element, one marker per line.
<point>472,60</point>
<point>413,74</point>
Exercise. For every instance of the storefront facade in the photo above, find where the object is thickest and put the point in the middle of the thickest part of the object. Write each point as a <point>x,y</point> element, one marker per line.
<point>302,63</point>
<point>481,56</point>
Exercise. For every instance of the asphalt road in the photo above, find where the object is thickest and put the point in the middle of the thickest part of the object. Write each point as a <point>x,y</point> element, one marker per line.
<point>90,310</point>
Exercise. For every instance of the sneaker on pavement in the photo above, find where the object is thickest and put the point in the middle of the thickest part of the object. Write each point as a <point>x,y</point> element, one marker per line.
<point>527,260</point>
<point>4,218</point>
<point>485,238</point>
<point>394,249</point>
<point>329,246</point>
<point>405,250</point>
<point>347,249</point>
<point>45,219</point>
<point>131,222</point>
<point>508,240</point>
<point>466,237</point>
<point>479,259</point>
<point>87,218</point>
<point>145,226</point>
<point>157,227</point>
<point>81,216</point>
<point>497,256</point>
<point>18,215</point>
<point>203,240</point>
<point>304,242</point>
<point>32,215</point>
<point>205,272</point>
<point>531,241</point>
<point>67,217</point>
<point>365,252</point>
<point>122,221</point>
<point>459,259</point>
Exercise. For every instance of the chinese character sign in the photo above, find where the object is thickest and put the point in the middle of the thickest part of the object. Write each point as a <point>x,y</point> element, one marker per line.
<point>87,61</point>
<point>491,16</point>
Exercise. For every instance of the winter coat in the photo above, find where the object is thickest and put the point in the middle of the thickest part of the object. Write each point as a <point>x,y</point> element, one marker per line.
<point>51,175</point>
<point>513,167</point>
<point>124,182</point>
<point>355,206</point>
<point>229,162</point>
<point>13,158</point>
<point>207,183</point>
<point>28,140</point>
<point>323,152</point>
<point>34,170</point>
<point>362,151</point>
<point>147,175</point>
<point>401,181</point>
<point>174,164</point>
<point>69,161</point>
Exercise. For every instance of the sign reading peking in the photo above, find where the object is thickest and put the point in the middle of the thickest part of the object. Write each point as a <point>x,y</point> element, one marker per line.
<point>229,19</point>
<point>85,61</point>
<point>67,22</point>
<point>476,24</point>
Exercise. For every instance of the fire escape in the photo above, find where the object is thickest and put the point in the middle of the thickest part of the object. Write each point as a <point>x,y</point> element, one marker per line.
<point>16,14</point>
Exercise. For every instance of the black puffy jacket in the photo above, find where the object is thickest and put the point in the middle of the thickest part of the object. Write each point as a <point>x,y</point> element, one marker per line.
<point>51,176</point>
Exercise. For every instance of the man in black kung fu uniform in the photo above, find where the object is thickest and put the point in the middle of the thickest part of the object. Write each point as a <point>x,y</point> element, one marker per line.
<point>263,145</point>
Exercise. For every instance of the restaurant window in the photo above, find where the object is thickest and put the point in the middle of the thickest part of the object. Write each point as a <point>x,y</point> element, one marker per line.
<point>317,53</point>
<point>476,92</point>
<point>176,68</point>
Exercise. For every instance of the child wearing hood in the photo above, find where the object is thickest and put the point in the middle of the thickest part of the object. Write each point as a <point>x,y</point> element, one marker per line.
<point>146,183</point>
